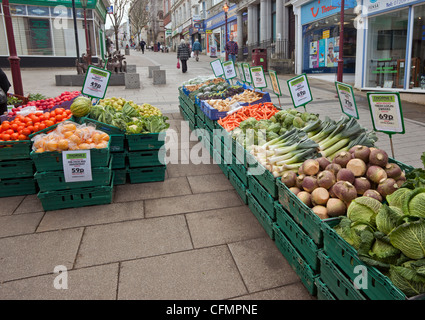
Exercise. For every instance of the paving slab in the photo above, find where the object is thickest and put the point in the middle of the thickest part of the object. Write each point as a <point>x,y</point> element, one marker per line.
<point>261,264</point>
<point>293,291</point>
<point>133,239</point>
<point>9,204</point>
<point>92,215</point>
<point>192,203</point>
<point>94,283</point>
<point>185,170</point>
<point>209,183</point>
<point>30,204</point>
<point>221,226</point>
<point>12,225</point>
<point>208,273</point>
<point>37,254</point>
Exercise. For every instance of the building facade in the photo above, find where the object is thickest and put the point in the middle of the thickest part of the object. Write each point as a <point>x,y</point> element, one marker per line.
<point>44,33</point>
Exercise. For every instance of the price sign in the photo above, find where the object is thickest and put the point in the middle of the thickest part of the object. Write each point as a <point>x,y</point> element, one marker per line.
<point>217,68</point>
<point>229,70</point>
<point>300,91</point>
<point>241,72</point>
<point>96,82</point>
<point>275,83</point>
<point>346,99</point>
<point>77,165</point>
<point>246,72</point>
<point>258,78</point>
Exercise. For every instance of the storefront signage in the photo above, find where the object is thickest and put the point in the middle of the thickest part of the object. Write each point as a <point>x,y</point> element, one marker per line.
<point>77,165</point>
<point>317,10</point>
<point>346,99</point>
<point>241,72</point>
<point>229,70</point>
<point>40,37</point>
<point>299,89</point>
<point>217,68</point>
<point>246,72</point>
<point>385,109</point>
<point>219,19</point>
<point>96,82</point>
<point>347,3</point>
<point>258,78</point>
<point>374,6</point>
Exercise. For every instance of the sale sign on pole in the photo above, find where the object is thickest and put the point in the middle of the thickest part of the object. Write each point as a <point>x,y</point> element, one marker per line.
<point>217,68</point>
<point>346,99</point>
<point>96,82</point>
<point>258,78</point>
<point>247,72</point>
<point>300,91</point>
<point>241,72</point>
<point>229,70</point>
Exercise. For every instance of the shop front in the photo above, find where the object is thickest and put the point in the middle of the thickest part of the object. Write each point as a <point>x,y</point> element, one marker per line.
<point>393,50</point>
<point>318,38</point>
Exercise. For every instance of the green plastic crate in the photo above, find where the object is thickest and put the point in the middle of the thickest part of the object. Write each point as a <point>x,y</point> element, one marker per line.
<point>299,239</point>
<point>120,176</point>
<point>17,187</point>
<point>209,123</point>
<point>147,158</point>
<point>240,170</point>
<point>284,194</point>
<point>52,161</point>
<point>219,160</point>
<point>119,160</point>
<point>239,152</point>
<point>55,180</point>
<point>260,214</point>
<point>323,292</point>
<point>117,142</point>
<point>345,257</point>
<point>147,174</point>
<point>16,169</point>
<point>238,185</point>
<point>200,113</point>
<point>75,198</point>
<point>14,150</point>
<point>262,196</point>
<point>298,264</point>
<point>145,141</point>
<point>263,176</point>
<point>199,123</point>
<point>341,287</point>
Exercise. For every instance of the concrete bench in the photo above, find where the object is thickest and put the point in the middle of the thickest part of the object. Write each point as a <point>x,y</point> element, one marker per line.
<point>159,77</point>
<point>151,69</point>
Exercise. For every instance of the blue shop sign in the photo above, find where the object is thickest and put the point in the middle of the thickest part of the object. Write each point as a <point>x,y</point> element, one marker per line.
<point>317,10</point>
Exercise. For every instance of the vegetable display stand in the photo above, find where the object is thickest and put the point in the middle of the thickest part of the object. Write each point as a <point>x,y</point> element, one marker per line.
<point>120,176</point>
<point>345,258</point>
<point>15,150</point>
<point>74,198</point>
<point>17,187</point>
<point>298,238</point>
<point>199,123</point>
<point>200,113</point>
<point>13,169</point>
<point>119,160</point>
<point>219,160</point>
<point>262,217</point>
<point>323,292</point>
<point>238,185</point>
<point>264,177</point>
<point>145,141</point>
<point>297,263</point>
<point>147,174</point>
<point>262,196</point>
<point>146,158</point>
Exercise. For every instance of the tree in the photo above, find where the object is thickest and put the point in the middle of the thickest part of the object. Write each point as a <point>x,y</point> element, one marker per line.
<point>117,16</point>
<point>138,16</point>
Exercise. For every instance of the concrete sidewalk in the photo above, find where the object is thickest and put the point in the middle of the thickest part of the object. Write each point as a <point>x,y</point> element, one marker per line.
<point>189,237</point>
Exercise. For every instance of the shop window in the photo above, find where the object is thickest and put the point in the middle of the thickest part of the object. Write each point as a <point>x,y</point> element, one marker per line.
<point>386,43</point>
<point>417,66</point>
<point>3,39</point>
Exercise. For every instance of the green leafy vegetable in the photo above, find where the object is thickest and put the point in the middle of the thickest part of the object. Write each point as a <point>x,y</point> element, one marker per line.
<point>409,238</point>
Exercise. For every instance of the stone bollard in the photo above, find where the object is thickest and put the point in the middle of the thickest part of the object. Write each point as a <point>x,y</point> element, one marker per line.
<point>159,77</point>
<point>132,81</point>
<point>131,68</point>
<point>151,68</point>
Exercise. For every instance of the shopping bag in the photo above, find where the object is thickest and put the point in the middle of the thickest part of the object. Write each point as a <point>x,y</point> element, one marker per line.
<point>178,64</point>
<point>192,55</point>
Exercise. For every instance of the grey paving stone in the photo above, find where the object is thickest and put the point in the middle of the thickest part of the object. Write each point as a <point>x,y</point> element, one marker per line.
<point>133,239</point>
<point>37,254</point>
<point>261,264</point>
<point>12,225</point>
<point>209,183</point>
<point>294,291</point>
<point>30,204</point>
<point>151,190</point>
<point>208,273</point>
<point>94,283</point>
<point>220,226</point>
<point>9,204</point>
<point>192,203</point>
<point>180,170</point>
<point>92,215</point>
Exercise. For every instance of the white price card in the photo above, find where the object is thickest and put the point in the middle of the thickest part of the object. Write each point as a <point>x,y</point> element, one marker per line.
<point>217,68</point>
<point>346,99</point>
<point>241,72</point>
<point>258,78</point>
<point>386,112</point>
<point>246,72</point>
<point>275,83</point>
<point>96,82</point>
<point>229,70</point>
<point>300,90</point>
<point>77,165</point>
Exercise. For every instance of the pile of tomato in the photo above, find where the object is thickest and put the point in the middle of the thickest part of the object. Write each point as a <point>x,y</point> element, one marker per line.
<point>22,126</point>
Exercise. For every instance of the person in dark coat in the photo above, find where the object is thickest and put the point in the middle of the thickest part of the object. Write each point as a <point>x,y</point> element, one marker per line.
<point>183,53</point>
<point>4,85</point>
<point>142,45</point>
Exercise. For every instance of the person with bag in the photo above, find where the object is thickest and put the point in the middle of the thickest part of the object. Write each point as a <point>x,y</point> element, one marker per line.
<point>183,54</point>
<point>142,46</point>
<point>4,88</point>
<point>196,48</point>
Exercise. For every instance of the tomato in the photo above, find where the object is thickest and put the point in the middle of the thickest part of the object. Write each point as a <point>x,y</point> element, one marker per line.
<point>14,126</point>
<point>5,137</point>
<point>53,119</point>
<point>42,126</point>
<point>20,128</point>
<point>59,111</point>
<point>9,131</point>
<point>53,113</point>
<point>14,136</point>
<point>49,123</point>
<point>41,118</point>
<point>5,126</point>
<point>46,115</point>
<point>68,111</point>
<point>22,137</point>
<point>36,127</point>
<point>31,128</point>
<point>26,132</point>
<point>59,117</point>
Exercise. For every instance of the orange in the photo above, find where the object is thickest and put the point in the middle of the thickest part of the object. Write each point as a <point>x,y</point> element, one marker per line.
<point>63,144</point>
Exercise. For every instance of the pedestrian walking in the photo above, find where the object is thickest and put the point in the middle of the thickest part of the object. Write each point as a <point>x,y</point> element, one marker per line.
<point>196,49</point>
<point>231,49</point>
<point>4,88</point>
<point>142,46</point>
<point>159,46</point>
<point>183,54</point>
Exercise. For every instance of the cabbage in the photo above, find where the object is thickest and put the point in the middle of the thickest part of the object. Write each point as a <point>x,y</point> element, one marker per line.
<point>396,199</point>
<point>384,252</point>
<point>414,203</point>
<point>407,280</point>
<point>364,209</point>
<point>409,238</point>
<point>388,218</point>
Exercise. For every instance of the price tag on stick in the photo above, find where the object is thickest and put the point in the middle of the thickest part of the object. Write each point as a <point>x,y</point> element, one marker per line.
<point>275,85</point>
<point>96,82</point>
<point>217,67</point>
<point>77,165</point>
<point>346,99</point>
<point>299,89</point>
<point>387,115</point>
<point>247,73</point>
<point>241,72</point>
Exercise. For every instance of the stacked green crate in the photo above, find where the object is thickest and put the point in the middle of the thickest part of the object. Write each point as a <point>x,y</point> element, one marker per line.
<point>56,193</point>
<point>16,169</point>
<point>146,157</point>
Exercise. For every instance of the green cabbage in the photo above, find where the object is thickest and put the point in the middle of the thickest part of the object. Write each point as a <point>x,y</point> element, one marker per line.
<point>414,203</point>
<point>364,209</point>
<point>409,238</point>
<point>407,280</point>
<point>396,199</point>
<point>388,218</point>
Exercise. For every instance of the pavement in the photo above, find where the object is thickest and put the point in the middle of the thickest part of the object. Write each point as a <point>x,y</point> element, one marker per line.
<point>189,237</point>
